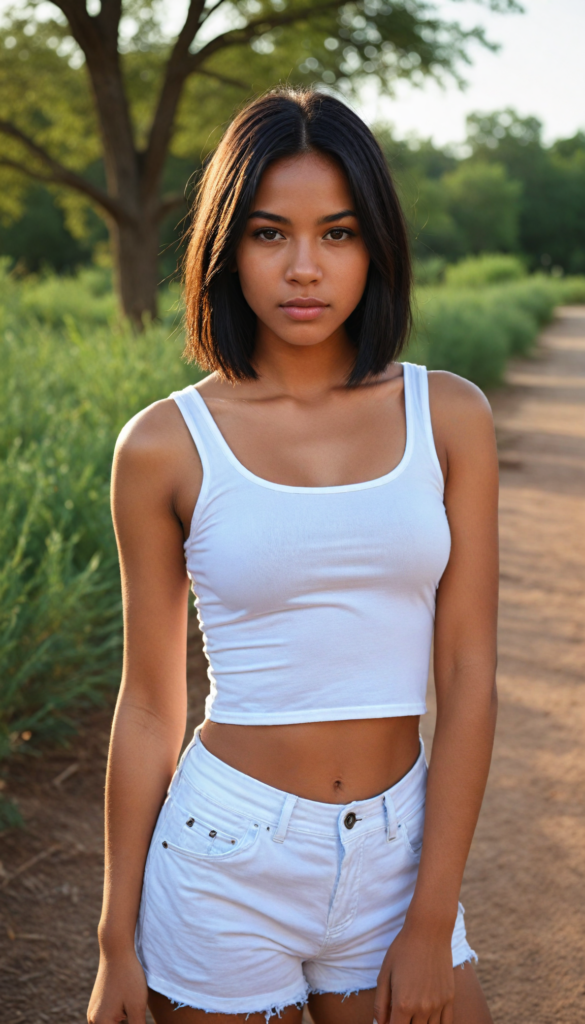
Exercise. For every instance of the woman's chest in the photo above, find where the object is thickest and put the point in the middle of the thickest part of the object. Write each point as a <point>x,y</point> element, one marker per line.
<point>262,551</point>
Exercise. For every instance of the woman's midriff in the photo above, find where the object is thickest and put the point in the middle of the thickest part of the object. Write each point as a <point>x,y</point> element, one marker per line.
<point>332,762</point>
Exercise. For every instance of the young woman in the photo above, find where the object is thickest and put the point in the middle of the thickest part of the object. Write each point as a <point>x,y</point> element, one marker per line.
<point>332,508</point>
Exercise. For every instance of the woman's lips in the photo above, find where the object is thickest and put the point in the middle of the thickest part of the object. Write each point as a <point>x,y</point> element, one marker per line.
<point>304,308</point>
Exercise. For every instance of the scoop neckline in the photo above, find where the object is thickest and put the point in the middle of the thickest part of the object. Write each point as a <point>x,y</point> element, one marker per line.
<point>333,488</point>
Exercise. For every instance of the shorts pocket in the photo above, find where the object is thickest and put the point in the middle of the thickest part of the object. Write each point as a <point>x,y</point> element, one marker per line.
<point>411,829</point>
<point>198,827</point>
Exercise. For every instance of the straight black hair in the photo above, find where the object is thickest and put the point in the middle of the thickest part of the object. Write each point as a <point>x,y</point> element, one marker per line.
<point>221,326</point>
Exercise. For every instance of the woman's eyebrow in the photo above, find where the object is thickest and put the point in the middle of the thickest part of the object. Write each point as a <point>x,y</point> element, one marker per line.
<point>269,216</point>
<point>337,216</point>
<point>278,219</point>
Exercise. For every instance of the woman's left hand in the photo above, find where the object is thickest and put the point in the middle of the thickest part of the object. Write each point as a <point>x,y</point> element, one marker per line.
<point>416,983</point>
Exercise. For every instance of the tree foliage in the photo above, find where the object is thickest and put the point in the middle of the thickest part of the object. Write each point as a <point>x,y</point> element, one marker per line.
<point>552,205</point>
<point>510,192</point>
<point>83,81</point>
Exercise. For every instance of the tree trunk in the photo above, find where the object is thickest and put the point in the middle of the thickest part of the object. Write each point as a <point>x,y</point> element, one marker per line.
<point>135,250</point>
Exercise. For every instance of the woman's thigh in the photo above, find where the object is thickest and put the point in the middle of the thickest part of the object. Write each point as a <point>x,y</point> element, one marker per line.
<point>470,1005</point>
<point>166,1012</point>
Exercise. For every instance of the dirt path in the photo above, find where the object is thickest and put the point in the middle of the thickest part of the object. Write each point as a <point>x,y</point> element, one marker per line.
<point>525,883</point>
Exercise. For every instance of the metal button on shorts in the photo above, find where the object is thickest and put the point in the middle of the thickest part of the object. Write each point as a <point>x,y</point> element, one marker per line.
<point>350,820</point>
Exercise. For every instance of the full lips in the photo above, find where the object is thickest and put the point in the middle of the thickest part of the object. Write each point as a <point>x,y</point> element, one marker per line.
<point>304,312</point>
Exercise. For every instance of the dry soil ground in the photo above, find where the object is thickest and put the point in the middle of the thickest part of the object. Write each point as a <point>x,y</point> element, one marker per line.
<point>525,883</point>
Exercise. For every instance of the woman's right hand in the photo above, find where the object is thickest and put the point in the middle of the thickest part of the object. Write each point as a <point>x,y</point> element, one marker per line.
<point>120,991</point>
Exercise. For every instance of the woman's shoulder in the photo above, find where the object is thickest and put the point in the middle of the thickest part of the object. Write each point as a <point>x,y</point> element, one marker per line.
<point>155,442</point>
<point>456,399</point>
<point>460,413</point>
<point>151,429</point>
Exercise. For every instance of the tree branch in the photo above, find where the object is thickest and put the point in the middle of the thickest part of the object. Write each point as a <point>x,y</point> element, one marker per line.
<point>60,174</point>
<point>23,169</point>
<point>211,10</point>
<point>108,21</point>
<point>235,82</point>
<point>256,28</point>
<point>162,125</point>
<point>83,26</point>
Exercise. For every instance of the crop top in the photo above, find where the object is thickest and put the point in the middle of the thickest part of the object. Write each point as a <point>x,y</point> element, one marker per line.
<point>317,603</point>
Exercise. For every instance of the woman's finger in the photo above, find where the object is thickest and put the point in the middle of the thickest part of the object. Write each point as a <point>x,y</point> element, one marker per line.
<point>448,1015</point>
<point>382,1002</point>
<point>136,1013</point>
<point>401,1014</point>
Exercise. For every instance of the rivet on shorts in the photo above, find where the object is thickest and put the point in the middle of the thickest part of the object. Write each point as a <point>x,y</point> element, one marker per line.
<point>268,828</point>
<point>165,844</point>
<point>232,841</point>
<point>255,826</point>
<point>213,833</point>
<point>191,822</point>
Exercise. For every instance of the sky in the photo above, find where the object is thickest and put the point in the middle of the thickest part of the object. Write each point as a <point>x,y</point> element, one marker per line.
<point>539,70</point>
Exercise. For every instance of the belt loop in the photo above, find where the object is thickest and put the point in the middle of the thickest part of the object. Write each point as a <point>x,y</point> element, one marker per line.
<point>179,769</point>
<point>285,816</point>
<point>391,820</point>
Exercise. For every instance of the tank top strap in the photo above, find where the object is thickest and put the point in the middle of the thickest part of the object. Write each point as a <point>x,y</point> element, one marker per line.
<point>201,426</point>
<point>418,408</point>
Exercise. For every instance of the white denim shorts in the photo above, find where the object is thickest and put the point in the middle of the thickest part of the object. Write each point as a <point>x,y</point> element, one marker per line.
<point>253,898</point>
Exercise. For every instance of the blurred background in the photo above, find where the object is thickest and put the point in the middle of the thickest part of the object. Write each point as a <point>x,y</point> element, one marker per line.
<point>107,112</point>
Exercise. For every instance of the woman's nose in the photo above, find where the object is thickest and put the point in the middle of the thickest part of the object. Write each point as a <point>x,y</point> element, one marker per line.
<point>303,268</point>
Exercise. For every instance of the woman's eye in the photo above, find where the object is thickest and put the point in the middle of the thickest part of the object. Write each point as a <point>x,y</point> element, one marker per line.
<point>338,234</point>
<point>268,234</point>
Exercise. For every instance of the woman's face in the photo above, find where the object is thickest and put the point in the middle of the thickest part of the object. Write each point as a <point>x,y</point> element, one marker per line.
<point>302,261</point>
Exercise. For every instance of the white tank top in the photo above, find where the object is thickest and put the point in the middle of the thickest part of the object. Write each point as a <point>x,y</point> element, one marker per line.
<point>317,603</point>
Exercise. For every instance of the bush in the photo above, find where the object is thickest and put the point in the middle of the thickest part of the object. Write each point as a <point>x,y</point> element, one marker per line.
<point>429,271</point>
<point>571,290</point>
<point>478,271</point>
<point>458,331</point>
<point>87,298</point>
<point>65,393</point>
<point>473,331</point>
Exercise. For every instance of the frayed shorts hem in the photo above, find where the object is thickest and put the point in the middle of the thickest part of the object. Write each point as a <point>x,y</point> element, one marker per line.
<point>270,1005</point>
<point>354,990</point>
<point>273,1006</point>
<point>464,954</point>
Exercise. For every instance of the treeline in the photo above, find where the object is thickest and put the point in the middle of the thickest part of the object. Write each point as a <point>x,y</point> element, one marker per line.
<point>509,193</point>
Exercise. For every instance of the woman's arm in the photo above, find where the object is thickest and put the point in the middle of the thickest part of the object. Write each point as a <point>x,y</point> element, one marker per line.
<point>149,722</point>
<point>418,968</point>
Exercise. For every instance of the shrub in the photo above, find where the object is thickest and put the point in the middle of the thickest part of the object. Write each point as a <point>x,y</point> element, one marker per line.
<point>429,271</point>
<point>458,331</point>
<point>571,290</point>
<point>65,393</point>
<point>478,271</point>
<point>473,331</point>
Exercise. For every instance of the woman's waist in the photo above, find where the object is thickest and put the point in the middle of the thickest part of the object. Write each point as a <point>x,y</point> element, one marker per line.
<point>325,761</point>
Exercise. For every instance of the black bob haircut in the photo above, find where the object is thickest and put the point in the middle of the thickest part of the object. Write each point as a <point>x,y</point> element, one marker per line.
<point>284,123</point>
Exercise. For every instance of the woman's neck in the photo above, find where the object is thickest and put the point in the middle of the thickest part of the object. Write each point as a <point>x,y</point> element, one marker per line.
<point>302,371</point>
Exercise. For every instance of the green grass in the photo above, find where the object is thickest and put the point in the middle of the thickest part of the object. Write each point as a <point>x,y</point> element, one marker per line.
<point>67,387</point>
<point>72,375</point>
